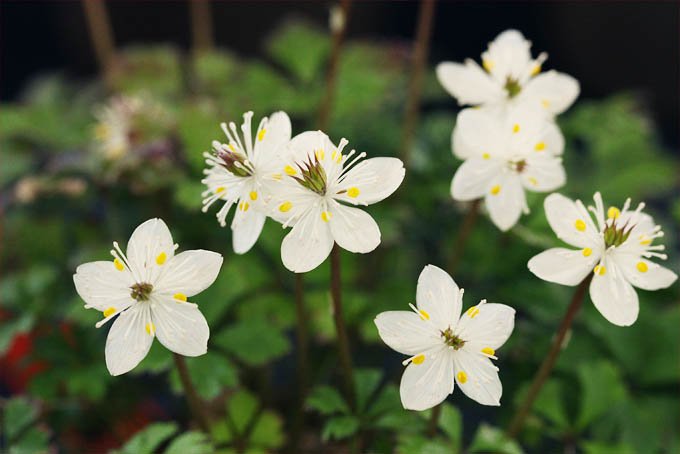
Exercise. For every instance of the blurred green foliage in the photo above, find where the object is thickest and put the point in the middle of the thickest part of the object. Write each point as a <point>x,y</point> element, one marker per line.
<point>614,389</point>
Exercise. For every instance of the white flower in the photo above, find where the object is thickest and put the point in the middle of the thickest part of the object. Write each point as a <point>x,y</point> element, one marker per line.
<point>148,290</point>
<point>510,76</point>
<point>505,153</point>
<point>316,178</point>
<point>445,346</point>
<point>240,171</point>
<point>616,249</point>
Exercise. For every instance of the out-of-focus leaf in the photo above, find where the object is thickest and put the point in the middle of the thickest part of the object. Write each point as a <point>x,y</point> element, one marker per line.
<point>599,447</point>
<point>210,374</point>
<point>138,68</point>
<point>601,390</point>
<point>451,422</point>
<point>10,328</point>
<point>253,342</point>
<point>267,432</point>
<point>198,126</point>
<point>550,404</point>
<point>491,439</point>
<point>367,381</point>
<point>286,46</point>
<point>327,400</point>
<point>149,439</point>
<point>18,413</point>
<point>190,443</point>
<point>242,407</point>
<point>339,427</point>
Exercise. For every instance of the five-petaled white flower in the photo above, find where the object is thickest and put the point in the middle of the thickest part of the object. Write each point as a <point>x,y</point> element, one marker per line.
<point>510,76</point>
<point>240,172</point>
<point>616,249</point>
<point>505,153</point>
<point>148,290</point>
<point>316,178</point>
<point>445,346</point>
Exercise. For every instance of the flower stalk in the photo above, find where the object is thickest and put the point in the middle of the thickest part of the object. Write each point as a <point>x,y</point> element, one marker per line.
<point>193,399</point>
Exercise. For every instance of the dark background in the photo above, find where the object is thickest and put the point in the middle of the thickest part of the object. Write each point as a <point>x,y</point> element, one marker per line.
<point>607,46</point>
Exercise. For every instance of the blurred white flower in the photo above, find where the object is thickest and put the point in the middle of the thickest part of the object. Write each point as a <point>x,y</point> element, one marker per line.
<point>509,76</point>
<point>506,152</point>
<point>445,346</point>
<point>240,171</point>
<point>148,290</point>
<point>616,249</point>
<point>315,179</point>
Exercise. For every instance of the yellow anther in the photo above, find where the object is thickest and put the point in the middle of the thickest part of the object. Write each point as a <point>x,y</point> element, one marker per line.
<point>161,258</point>
<point>232,147</point>
<point>102,131</point>
<point>277,176</point>
<point>587,251</point>
<point>580,225</point>
<point>540,146</point>
<point>533,181</point>
<point>353,192</point>
<point>462,377</point>
<point>472,312</point>
<point>109,312</point>
<point>600,269</point>
<point>488,351</point>
<point>285,207</point>
<point>253,195</point>
<point>423,314</point>
<point>118,264</point>
<point>545,103</point>
<point>289,170</point>
<point>642,267</point>
<point>150,329</point>
<point>515,128</point>
<point>535,70</point>
<point>418,359</point>
<point>495,190</point>
<point>644,241</point>
<point>326,216</point>
<point>260,135</point>
<point>487,64</point>
<point>220,189</point>
<point>486,156</point>
<point>180,296</point>
<point>320,154</point>
<point>339,158</point>
<point>613,213</point>
<point>243,206</point>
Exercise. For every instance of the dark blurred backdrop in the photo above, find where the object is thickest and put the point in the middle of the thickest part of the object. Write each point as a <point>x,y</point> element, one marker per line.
<point>608,46</point>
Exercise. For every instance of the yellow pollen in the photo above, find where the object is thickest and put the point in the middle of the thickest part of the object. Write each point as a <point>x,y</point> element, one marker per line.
<point>533,181</point>
<point>487,64</point>
<point>495,190</point>
<point>118,264</point>
<point>253,195</point>
<point>109,312</point>
<point>161,258</point>
<point>642,267</point>
<point>353,192</point>
<point>423,314</point>
<point>320,155</point>
<point>545,103</point>
<point>486,156</point>
<point>613,213</point>
<point>180,296</point>
<point>540,146</point>
<point>580,225</point>
<point>472,312</point>
<point>587,251</point>
<point>488,351</point>
<point>339,158</point>
<point>644,241</point>
<point>150,328</point>
<point>418,359</point>
<point>220,189</point>
<point>289,170</point>
<point>277,176</point>
<point>600,269</point>
<point>243,206</point>
<point>260,135</point>
<point>285,207</point>
<point>515,128</point>
<point>232,147</point>
<point>535,70</point>
<point>462,377</point>
<point>326,216</point>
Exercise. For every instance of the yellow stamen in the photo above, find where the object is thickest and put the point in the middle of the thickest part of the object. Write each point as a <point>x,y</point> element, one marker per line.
<point>587,251</point>
<point>180,296</point>
<point>109,312</point>
<point>488,351</point>
<point>600,269</point>
<point>161,258</point>
<point>644,241</point>
<point>320,155</point>
<point>243,206</point>
<point>289,170</point>
<point>232,147</point>
<point>118,264</point>
<point>486,156</point>
<point>642,267</point>
<point>540,146</point>
<point>535,70</point>
<point>220,189</point>
<point>285,207</point>
<point>277,176</point>
<point>472,312</point>
<point>253,195</point>
<point>423,314</point>
<point>150,328</point>
<point>462,377</point>
<point>545,103</point>
<point>353,192</point>
<point>580,225</point>
<point>326,216</point>
<point>487,64</point>
<point>495,190</point>
<point>418,359</point>
<point>613,213</point>
<point>533,181</point>
<point>515,128</point>
<point>260,135</point>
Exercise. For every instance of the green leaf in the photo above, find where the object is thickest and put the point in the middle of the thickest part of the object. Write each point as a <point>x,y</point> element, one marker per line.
<point>339,427</point>
<point>600,447</point>
<point>268,432</point>
<point>190,443</point>
<point>367,381</point>
<point>451,422</point>
<point>491,439</point>
<point>149,439</point>
<point>255,342</point>
<point>300,47</point>
<point>34,440</point>
<point>601,390</point>
<point>18,413</point>
<point>550,404</point>
<point>198,125</point>
<point>327,400</point>
<point>10,328</point>
<point>210,374</point>
<point>242,408</point>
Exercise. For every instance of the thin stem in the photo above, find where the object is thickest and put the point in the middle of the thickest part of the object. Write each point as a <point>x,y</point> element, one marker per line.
<point>549,361</point>
<point>201,26</point>
<point>415,87</point>
<point>340,328</point>
<point>338,21</point>
<point>192,396</point>
<point>101,34</point>
<point>302,361</point>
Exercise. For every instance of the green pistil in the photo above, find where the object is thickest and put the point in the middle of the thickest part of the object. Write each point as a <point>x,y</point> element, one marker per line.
<point>313,177</point>
<point>513,87</point>
<point>616,236</point>
<point>452,340</point>
<point>141,291</point>
<point>229,160</point>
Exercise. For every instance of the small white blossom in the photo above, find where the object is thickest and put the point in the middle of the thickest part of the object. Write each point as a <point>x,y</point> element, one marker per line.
<point>510,76</point>
<point>317,183</point>
<point>240,171</point>
<point>616,249</point>
<point>446,346</point>
<point>148,289</point>
<point>506,152</point>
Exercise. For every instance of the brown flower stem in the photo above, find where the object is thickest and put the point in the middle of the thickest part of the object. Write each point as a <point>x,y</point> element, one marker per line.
<point>549,361</point>
<point>193,399</point>
<point>201,26</point>
<point>421,49</point>
<point>340,328</point>
<point>99,25</point>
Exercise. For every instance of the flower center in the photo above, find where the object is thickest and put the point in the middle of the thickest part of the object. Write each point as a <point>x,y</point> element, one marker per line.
<point>518,166</point>
<point>615,235</point>
<point>451,339</point>
<point>312,176</point>
<point>141,291</point>
<point>512,86</point>
<point>234,162</point>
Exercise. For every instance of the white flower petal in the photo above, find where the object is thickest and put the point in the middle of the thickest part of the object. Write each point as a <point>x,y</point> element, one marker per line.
<point>508,55</point>
<point>439,296</point>
<point>551,91</point>
<point>406,332</point>
<point>571,222</point>
<point>477,377</point>
<point>277,133</point>
<point>468,83</point>
<point>180,327</point>
<point>479,132</point>
<point>129,339</point>
<point>102,285</point>
<point>314,146</point>
<point>613,296</point>
<point>564,266</point>
<point>487,325</point>
<point>189,273</point>
<point>308,243</point>
<point>370,181</point>
<point>505,201</point>
<point>474,177</point>
<point>353,229</point>
<point>246,228</point>
<point>150,247</point>
<point>427,384</point>
<point>543,174</point>
<point>643,273</point>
